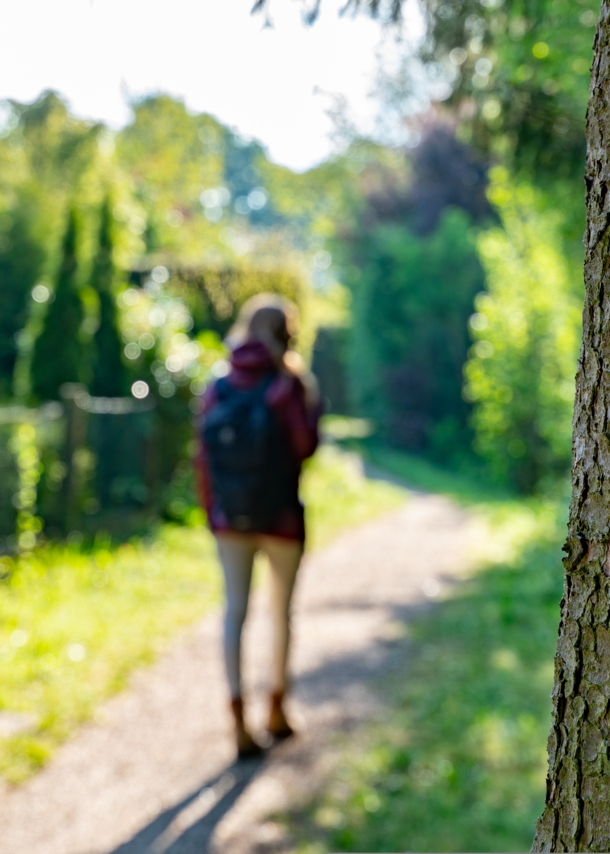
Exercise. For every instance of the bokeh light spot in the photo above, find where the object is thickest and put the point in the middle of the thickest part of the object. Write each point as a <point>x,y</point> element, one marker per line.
<point>76,652</point>
<point>483,65</point>
<point>137,225</point>
<point>540,50</point>
<point>18,638</point>
<point>242,206</point>
<point>146,341</point>
<point>130,297</point>
<point>132,350</point>
<point>167,388</point>
<point>159,274</point>
<point>220,368</point>
<point>156,316</point>
<point>458,56</point>
<point>140,389</point>
<point>257,198</point>
<point>40,293</point>
<point>173,363</point>
<point>431,587</point>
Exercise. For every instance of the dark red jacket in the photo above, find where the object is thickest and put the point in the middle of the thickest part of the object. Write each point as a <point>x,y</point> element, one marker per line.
<point>286,396</point>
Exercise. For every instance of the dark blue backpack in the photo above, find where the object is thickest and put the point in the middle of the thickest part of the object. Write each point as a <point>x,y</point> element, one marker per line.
<point>250,464</point>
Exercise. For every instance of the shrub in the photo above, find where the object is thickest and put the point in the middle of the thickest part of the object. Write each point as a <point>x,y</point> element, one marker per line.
<point>520,374</point>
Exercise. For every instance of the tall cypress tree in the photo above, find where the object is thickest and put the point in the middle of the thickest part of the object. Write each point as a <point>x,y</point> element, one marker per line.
<point>59,355</point>
<point>22,255</point>
<point>109,376</point>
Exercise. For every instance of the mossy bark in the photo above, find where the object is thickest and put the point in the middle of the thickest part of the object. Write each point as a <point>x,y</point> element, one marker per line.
<point>577,812</point>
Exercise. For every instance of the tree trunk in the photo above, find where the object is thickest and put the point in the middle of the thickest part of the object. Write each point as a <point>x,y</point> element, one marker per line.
<point>577,812</point>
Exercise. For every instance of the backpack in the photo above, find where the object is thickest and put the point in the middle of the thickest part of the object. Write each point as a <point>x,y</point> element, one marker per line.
<point>250,462</point>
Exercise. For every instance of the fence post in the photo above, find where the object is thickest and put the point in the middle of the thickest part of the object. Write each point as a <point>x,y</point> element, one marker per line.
<point>76,434</point>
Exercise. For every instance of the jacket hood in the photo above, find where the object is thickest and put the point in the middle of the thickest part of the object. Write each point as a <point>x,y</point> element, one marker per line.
<point>251,359</point>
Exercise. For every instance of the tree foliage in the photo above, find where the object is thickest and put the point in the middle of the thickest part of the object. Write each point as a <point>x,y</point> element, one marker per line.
<point>46,156</point>
<point>22,257</point>
<point>520,374</point>
<point>187,193</point>
<point>388,10</point>
<point>442,173</point>
<point>108,372</point>
<point>520,71</point>
<point>57,148</point>
<point>216,295</point>
<point>59,354</point>
<point>410,262</point>
<point>412,297</point>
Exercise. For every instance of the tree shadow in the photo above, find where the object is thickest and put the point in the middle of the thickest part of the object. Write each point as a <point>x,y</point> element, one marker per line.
<point>188,825</point>
<point>453,759</point>
<point>349,679</point>
<point>354,682</point>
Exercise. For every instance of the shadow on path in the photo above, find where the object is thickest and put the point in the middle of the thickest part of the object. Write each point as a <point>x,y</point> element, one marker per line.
<point>188,826</point>
<point>350,679</point>
<point>155,774</point>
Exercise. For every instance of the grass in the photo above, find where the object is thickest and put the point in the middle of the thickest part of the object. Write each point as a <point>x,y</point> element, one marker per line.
<point>457,759</point>
<point>464,487</point>
<point>74,623</point>
<point>337,494</point>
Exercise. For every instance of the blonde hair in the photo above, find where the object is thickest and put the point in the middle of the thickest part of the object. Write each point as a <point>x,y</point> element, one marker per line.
<point>268,318</point>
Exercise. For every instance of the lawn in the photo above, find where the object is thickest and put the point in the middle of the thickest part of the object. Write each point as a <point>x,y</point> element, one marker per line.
<point>456,761</point>
<point>76,621</point>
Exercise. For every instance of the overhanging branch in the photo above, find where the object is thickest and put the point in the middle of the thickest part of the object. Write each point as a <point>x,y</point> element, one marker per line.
<point>372,7</point>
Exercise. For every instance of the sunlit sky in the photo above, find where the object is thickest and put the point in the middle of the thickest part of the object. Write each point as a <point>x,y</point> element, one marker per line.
<point>274,84</point>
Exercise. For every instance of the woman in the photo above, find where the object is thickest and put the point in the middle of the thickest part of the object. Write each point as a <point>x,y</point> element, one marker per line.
<point>263,373</point>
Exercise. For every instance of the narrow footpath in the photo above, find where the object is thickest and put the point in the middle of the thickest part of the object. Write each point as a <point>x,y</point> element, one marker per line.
<point>154,773</point>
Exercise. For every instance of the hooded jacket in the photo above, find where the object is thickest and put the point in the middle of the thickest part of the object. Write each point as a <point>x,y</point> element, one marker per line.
<point>298,416</point>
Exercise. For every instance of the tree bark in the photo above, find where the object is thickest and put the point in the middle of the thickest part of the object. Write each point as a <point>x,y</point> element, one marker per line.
<point>577,812</point>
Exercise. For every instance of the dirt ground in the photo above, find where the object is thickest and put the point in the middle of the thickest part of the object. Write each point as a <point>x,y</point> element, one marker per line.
<point>155,771</point>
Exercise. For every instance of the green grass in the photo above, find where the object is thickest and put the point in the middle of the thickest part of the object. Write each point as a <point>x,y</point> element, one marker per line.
<point>468,484</point>
<point>75,623</point>
<point>463,486</point>
<point>457,759</point>
<point>337,494</point>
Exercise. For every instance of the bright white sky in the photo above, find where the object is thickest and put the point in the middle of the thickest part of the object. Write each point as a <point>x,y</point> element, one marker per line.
<point>212,53</point>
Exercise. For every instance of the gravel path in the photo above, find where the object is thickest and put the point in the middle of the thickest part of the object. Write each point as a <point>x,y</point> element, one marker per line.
<point>154,773</point>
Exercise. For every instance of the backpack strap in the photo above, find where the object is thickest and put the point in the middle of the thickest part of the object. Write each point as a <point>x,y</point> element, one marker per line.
<point>224,388</point>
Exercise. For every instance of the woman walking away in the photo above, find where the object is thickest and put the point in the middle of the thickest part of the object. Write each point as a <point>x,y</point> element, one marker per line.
<point>259,423</point>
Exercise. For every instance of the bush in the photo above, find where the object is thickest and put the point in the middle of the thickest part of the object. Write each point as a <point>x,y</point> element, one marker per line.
<point>329,366</point>
<point>215,295</point>
<point>412,297</point>
<point>520,374</point>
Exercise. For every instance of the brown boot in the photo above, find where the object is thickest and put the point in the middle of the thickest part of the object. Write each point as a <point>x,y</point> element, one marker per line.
<point>278,725</point>
<point>247,747</point>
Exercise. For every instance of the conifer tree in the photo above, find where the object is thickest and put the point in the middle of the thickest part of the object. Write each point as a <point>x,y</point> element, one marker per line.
<point>58,351</point>
<point>22,256</point>
<point>109,378</point>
